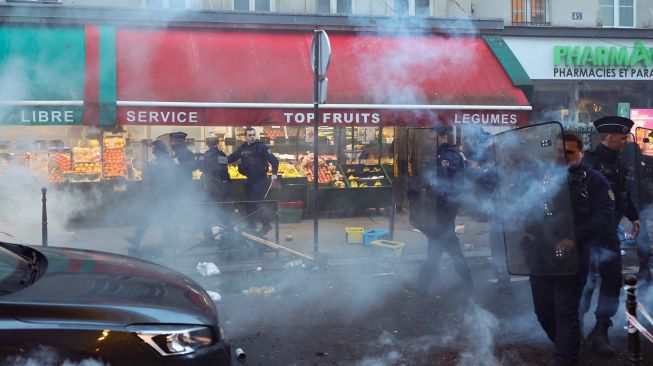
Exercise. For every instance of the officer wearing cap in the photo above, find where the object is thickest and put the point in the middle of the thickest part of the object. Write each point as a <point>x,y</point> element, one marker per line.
<point>606,256</point>
<point>254,159</point>
<point>445,178</point>
<point>215,178</point>
<point>185,158</point>
<point>159,183</point>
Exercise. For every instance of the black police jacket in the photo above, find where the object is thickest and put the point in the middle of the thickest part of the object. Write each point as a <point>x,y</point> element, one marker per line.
<point>214,166</point>
<point>593,203</point>
<point>609,163</point>
<point>254,160</point>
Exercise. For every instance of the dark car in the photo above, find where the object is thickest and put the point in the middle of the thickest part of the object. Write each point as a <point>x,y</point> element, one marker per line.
<point>60,304</point>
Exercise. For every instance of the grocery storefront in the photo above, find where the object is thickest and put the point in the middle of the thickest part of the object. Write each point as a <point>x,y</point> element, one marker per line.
<point>95,96</point>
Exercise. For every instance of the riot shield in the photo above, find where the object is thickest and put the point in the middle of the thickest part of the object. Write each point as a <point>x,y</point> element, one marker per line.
<point>422,157</point>
<point>630,157</point>
<point>534,200</point>
<point>643,172</point>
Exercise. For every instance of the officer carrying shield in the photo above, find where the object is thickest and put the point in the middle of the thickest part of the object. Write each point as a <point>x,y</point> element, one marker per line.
<point>556,298</point>
<point>254,158</point>
<point>606,258</point>
<point>445,178</point>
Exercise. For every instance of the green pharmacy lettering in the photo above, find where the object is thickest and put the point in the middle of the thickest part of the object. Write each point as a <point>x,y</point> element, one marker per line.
<point>639,54</point>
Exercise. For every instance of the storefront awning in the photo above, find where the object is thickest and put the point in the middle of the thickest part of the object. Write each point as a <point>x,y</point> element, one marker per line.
<point>197,77</point>
<point>42,75</point>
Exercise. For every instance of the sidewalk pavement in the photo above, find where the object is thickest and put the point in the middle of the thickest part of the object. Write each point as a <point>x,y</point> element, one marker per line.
<point>332,241</point>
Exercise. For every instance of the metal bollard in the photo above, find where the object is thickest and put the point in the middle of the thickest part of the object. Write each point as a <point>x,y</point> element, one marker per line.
<point>44,218</point>
<point>634,352</point>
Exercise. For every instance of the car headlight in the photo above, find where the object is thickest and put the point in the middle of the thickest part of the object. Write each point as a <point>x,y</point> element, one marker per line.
<point>173,340</point>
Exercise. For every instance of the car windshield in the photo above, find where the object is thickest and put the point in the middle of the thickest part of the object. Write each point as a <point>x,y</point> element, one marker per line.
<point>12,267</point>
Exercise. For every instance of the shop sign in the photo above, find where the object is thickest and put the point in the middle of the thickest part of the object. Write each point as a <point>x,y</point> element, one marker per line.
<point>195,116</point>
<point>584,59</point>
<point>41,116</point>
<point>486,118</point>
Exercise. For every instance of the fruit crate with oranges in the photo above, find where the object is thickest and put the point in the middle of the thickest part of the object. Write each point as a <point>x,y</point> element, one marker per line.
<point>59,165</point>
<point>114,163</point>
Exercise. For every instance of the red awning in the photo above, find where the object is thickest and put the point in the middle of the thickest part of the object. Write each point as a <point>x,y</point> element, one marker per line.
<point>202,77</point>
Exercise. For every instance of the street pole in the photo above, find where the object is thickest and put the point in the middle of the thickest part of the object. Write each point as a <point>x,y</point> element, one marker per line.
<point>44,218</point>
<point>316,102</point>
<point>634,351</point>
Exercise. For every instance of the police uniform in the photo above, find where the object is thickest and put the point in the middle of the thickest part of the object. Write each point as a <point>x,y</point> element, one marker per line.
<point>217,183</point>
<point>159,184</point>
<point>254,159</point>
<point>185,158</point>
<point>606,257</point>
<point>441,235</point>
<point>556,298</point>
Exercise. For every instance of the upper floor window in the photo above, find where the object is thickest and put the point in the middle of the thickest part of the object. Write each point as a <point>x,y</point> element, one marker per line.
<point>253,5</point>
<point>322,6</point>
<point>422,8</point>
<point>172,4</point>
<point>618,13</point>
<point>401,7</point>
<point>530,12</point>
<point>344,7</point>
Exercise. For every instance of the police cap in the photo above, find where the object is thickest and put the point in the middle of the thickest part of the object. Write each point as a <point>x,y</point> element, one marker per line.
<point>212,141</point>
<point>178,135</point>
<point>613,124</point>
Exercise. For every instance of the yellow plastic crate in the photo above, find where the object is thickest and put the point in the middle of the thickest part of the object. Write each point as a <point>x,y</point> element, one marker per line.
<point>387,246</point>
<point>354,235</point>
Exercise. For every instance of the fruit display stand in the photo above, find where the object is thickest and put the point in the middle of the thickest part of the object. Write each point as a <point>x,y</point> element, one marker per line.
<point>114,163</point>
<point>59,165</point>
<point>368,186</point>
<point>87,163</point>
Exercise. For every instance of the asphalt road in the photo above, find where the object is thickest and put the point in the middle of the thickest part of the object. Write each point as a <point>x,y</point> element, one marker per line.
<point>361,315</point>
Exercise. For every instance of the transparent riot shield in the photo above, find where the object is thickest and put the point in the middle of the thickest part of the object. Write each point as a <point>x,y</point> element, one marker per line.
<point>630,156</point>
<point>422,158</point>
<point>534,200</point>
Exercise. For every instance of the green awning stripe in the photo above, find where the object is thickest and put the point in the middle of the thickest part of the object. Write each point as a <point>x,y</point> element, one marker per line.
<point>510,63</point>
<point>107,82</point>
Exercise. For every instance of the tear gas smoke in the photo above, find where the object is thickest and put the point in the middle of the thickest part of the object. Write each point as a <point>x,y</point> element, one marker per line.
<point>47,356</point>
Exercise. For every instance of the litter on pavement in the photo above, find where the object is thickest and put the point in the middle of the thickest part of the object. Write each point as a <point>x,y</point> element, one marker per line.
<point>214,295</point>
<point>207,269</point>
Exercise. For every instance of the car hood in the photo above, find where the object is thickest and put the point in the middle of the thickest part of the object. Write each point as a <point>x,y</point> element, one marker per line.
<point>96,287</point>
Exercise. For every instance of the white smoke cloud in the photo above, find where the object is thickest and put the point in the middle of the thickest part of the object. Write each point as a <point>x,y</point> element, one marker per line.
<point>48,356</point>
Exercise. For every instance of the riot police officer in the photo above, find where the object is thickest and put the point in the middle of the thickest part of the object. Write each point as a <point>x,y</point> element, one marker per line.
<point>186,159</point>
<point>606,258</point>
<point>556,298</point>
<point>254,158</point>
<point>159,185</point>
<point>216,181</point>
<point>444,178</point>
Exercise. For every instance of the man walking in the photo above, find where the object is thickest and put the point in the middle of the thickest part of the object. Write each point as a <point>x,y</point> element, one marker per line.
<point>255,157</point>
<point>606,257</point>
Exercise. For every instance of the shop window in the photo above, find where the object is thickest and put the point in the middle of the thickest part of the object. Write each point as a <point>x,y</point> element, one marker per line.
<point>177,4</point>
<point>154,3</point>
<point>422,8</point>
<point>401,7</point>
<point>322,6</point>
<point>618,13</point>
<point>36,1</point>
<point>344,7</point>
<point>241,4</point>
<point>262,5</point>
<point>530,12</point>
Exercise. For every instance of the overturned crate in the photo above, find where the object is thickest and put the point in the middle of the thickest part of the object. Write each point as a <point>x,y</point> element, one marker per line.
<point>386,256</point>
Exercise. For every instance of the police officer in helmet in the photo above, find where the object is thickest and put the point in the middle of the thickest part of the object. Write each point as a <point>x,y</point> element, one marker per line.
<point>445,178</point>
<point>185,158</point>
<point>254,159</point>
<point>606,257</point>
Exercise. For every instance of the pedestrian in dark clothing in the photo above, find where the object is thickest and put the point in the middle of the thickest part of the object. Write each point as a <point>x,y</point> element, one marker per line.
<point>556,298</point>
<point>255,158</point>
<point>444,180</point>
<point>606,256</point>
<point>217,184</point>
<point>186,159</point>
<point>159,185</point>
